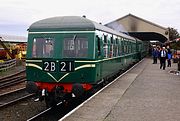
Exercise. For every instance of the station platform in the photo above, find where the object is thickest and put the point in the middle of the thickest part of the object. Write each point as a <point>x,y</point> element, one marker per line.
<point>145,93</point>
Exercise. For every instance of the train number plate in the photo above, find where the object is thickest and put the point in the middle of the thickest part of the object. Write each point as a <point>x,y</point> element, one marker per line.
<point>60,66</point>
<point>66,66</point>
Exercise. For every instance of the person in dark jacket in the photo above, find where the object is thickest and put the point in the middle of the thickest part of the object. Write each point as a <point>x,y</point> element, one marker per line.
<point>169,56</point>
<point>155,54</point>
<point>163,56</point>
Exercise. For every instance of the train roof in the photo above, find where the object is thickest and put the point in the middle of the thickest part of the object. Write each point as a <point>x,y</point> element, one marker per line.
<point>71,23</point>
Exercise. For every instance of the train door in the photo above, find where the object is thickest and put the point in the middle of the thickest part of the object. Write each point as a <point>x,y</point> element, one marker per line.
<point>99,56</point>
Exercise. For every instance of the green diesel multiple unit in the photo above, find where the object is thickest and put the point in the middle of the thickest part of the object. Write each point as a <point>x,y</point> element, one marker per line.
<point>69,55</point>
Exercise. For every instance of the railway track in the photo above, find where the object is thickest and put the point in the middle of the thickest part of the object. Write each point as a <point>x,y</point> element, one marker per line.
<point>53,113</point>
<point>39,114</point>
<point>9,76</point>
<point>12,79</point>
<point>12,97</point>
<point>62,109</point>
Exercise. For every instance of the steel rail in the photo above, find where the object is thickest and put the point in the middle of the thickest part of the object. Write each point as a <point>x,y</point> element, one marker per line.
<point>23,71</point>
<point>12,82</point>
<point>16,100</point>
<point>42,113</point>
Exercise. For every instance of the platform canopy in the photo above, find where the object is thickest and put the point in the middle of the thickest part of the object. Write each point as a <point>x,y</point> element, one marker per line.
<point>13,38</point>
<point>140,28</point>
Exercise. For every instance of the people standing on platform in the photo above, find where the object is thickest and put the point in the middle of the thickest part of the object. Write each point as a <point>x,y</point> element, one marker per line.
<point>169,56</point>
<point>155,54</point>
<point>163,56</point>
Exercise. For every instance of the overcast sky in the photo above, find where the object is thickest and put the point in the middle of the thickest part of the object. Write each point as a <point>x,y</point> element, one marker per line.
<point>17,15</point>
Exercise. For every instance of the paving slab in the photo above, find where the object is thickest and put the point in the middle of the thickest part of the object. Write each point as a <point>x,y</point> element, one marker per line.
<point>146,93</point>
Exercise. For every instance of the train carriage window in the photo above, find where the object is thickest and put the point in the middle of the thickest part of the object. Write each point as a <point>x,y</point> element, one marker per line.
<point>116,48</point>
<point>111,51</point>
<point>129,46</point>
<point>125,47</point>
<point>134,47</point>
<point>43,48</point>
<point>105,39</point>
<point>98,45</point>
<point>111,48</point>
<point>75,47</point>
<point>112,40</point>
<point>120,48</point>
<point>105,47</point>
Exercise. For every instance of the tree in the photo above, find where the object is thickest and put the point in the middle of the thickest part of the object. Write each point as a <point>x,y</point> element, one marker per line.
<point>175,45</point>
<point>173,33</point>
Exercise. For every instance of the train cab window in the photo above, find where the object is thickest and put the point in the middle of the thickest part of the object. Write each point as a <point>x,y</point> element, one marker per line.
<point>43,48</point>
<point>75,47</point>
<point>105,47</point>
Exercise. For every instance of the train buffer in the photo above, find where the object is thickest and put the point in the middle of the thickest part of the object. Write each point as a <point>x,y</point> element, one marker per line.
<point>145,93</point>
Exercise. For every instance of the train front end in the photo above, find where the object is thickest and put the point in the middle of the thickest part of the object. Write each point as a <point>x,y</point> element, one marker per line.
<point>59,63</point>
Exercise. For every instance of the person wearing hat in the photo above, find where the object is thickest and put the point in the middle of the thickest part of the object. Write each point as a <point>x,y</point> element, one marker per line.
<point>163,56</point>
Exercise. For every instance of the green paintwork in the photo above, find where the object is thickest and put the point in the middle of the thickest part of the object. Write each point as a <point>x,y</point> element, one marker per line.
<point>87,70</point>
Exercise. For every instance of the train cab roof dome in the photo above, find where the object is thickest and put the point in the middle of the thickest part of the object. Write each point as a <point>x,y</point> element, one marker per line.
<point>63,24</point>
<point>69,23</point>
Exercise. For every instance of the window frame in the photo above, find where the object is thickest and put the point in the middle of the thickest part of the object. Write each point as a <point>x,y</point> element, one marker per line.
<point>35,53</point>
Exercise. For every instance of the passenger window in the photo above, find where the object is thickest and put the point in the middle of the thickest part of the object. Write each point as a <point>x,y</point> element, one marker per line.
<point>120,47</point>
<point>98,45</point>
<point>125,47</point>
<point>105,47</point>
<point>116,48</point>
<point>111,48</point>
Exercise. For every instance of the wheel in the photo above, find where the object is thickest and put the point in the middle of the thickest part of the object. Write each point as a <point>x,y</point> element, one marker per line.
<point>50,100</point>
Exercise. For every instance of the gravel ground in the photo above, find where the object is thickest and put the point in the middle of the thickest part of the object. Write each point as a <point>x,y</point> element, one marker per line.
<point>21,111</point>
<point>11,71</point>
<point>12,96</point>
